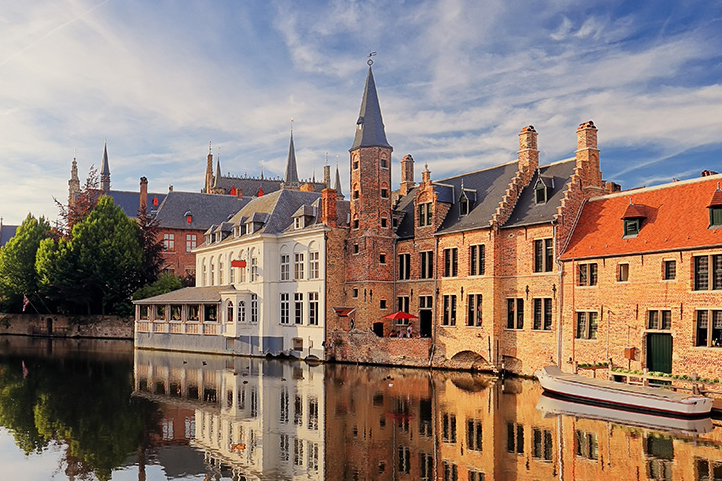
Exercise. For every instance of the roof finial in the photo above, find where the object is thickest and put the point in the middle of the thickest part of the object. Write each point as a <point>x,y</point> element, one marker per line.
<point>718,188</point>
<point>327,156</point>
<point>370,61</point>
<point>210,147</point>
<point>291,126</point>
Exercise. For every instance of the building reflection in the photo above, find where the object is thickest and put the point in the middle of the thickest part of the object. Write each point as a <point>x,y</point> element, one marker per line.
<point>270,419</point>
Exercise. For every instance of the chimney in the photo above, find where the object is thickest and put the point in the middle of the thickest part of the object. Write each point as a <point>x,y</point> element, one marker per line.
<point>144,194</point>
<point>407,174</point>
<point>328,207</point>
<point>327,175</point>
<point>170,188</point>
<point>611,187</point>
<point>528,152</point>
<point>588,157</point>
<point>307,187</point>
<point>239,193</point>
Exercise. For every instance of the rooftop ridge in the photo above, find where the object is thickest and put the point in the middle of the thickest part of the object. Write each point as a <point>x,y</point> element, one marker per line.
<point>633,191</point>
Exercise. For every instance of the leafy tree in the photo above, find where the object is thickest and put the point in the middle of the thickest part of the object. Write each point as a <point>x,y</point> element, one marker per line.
<point>98,267</point>
<point>166,283</point>
<point>152,245</point>
<point>81,206</point>
<point>17,262</point>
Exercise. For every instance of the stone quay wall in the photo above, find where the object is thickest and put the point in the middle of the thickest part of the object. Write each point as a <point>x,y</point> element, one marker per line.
<point>55,325</point>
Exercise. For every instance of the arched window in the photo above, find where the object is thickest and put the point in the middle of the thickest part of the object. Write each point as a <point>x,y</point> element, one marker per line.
<point>229,317</point>
<point>211,276</point>
<point>220,271</point>
<point>204,278</point>
<point>231,269</point>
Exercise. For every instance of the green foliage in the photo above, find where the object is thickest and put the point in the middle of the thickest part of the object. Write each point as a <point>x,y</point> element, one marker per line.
<point>166,283</point>
<point>98,268</point>
<point>17,262</point>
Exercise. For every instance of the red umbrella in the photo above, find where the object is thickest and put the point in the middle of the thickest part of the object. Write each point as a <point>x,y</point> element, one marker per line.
<point>400,315</point>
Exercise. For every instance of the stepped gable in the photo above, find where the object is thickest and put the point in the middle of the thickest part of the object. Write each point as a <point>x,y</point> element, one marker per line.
<point>204,209</point>
<point>677,217</point>
<point>557,177</point>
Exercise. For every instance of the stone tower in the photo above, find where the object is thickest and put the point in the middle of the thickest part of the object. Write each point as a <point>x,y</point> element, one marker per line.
<point>73,183</point>
<point>105,172</point>
<point>370,253</point>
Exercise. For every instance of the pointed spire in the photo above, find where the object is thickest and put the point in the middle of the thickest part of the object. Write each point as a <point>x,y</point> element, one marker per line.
<point>218,169</point>
<point>105,171</point>
<point>370,126</point>
<point>291,177</point>
<point>337,186</point>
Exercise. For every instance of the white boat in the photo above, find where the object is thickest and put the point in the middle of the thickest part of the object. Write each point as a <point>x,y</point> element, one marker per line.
<point>627,397</point>
<point>552,406</point>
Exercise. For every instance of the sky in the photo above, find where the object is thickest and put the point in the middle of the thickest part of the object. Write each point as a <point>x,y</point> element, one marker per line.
<point>456,79</point>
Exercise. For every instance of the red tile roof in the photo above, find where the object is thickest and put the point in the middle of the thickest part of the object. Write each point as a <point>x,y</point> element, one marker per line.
<point>677,217</point>
<point>635,211</point>
<point>716,198</point>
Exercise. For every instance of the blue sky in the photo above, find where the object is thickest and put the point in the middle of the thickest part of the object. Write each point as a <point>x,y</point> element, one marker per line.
<point>457,80</point>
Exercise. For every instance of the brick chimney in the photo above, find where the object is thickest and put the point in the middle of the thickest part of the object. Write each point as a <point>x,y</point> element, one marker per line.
<point>239,193</point>
<point>328,207</point>
<point>588,157</point>
<point>426,175</point>
<point>528,153</point>
<point>143,194</point>
<point>407,174</point>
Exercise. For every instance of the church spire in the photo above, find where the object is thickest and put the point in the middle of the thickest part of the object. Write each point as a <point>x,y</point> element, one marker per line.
<point>291,177</point>
<point>370,126</point>
<point>105,172</point>
<point>337,185</point>
<point>73,183</point>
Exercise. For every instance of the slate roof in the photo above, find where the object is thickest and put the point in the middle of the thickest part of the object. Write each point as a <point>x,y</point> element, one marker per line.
<point>280,206</point>
<point>130,201</point>
<point>208,294</point>
<point>370,126</point>
<point>677,218</point>
<point>206,209</point>
<point>251,186</point>
<point>556,176</point>
<point>7,232</point>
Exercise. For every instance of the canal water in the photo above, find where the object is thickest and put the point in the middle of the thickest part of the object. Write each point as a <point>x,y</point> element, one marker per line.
<point>90,409</point>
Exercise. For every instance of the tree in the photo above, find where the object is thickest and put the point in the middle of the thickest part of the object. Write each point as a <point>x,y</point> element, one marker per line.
<point>17,262</point>
<point>152,245</point>
<point>81,205</point>
<point>167,282</point>
<point>98,267</point>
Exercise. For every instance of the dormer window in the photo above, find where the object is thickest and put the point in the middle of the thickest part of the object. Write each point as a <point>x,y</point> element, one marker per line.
<point>298,223</point>
<point>463,204</point>
<point>155,200</point>
<point>189,217</point>
<point>633,217</point>
<point>540,192</point>
<point>715,208</point>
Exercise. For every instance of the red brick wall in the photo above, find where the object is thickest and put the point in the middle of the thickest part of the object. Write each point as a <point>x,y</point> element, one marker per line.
<point>179,259</point>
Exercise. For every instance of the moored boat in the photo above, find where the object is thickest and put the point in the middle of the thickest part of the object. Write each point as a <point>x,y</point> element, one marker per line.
<point>617,395</point>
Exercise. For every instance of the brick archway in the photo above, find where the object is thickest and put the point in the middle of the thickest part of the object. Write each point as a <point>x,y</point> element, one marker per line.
<point>470,360</point>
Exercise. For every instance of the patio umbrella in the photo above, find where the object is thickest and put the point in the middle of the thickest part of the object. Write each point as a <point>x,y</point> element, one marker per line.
<point>400,315</point>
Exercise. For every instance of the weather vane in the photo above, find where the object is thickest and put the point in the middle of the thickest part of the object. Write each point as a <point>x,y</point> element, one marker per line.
<point>370,60</point>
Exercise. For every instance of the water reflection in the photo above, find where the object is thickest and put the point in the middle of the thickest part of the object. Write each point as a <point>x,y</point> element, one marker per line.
<point>177,415</point>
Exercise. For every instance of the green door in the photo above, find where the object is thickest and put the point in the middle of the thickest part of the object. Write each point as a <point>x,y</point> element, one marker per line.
<point>659,352</point>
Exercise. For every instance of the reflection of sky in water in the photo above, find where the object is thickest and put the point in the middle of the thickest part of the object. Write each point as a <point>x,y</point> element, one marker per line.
<point>16,466</point>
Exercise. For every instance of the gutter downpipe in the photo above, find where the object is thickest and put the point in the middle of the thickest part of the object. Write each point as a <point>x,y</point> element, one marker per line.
<point>560,338</point>
<point>434,317</point>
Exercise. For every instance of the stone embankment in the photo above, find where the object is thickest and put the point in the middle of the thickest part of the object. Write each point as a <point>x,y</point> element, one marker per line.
<point>104,327</point>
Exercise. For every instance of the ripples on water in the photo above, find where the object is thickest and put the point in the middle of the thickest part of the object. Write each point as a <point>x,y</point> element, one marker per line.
<point>100,410</point>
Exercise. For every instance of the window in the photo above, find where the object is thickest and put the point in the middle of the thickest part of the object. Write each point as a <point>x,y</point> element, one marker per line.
<point>285,267</point>
<point>515,438</point>
<point>404,266</point>
<point>314,265</point>
<point>426,302</point>
<point>384,193</point>
<point>355,248</point>
<point>313,308</point>
<point>586,445</point>
<point>212,273</point>
<point>297,452</point>
<point>298,222</point>
<point>473,434</point>
<point>515,313</point>
<point>298,265</point>
<point>586,325</point>
<point>220,271</point>
<point>404,460</point>
<point>451,262</point>
<point>587,274</point>
<point>169,242</point>
<point>631,226</point>
<point>355,194</point>
<point>355,164</point>
<point>540,192</point>
<point>473,315</point>
<point>463,204</point>
<point>384,163</point>
<point>382,258</point>
<point>623,272</point>
<point>254,269</point>
<point>543,255</point>
<point>543,314</point>
<point>190,242</point>
<point>241,311</point>
<point>355,292</point>
<point>210,313</point>
<point>254,308</point>
<point>475,475</point>
<point>670,270</point>
<point>144,312</point>
<point>542,447</point>
<point>477,260</point>
<point>703,337</point>
<point>231,269</point>
<point>449,310</point>
<point>229,316</point>
<point>298,308</point>
<point>451,471</point>
<point>384,222</point>
<point>715,216</point>
<point>425,214</point>
<point>285,308</point>
<point>426,462</point>
<point>449,427</point>
<point>702,272</point>
<point>660,320</point>
<point>313,413</point>
<point>193,312</point>
<point>382,304</point>
<point>427,264</point>
<point>159,312</point>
